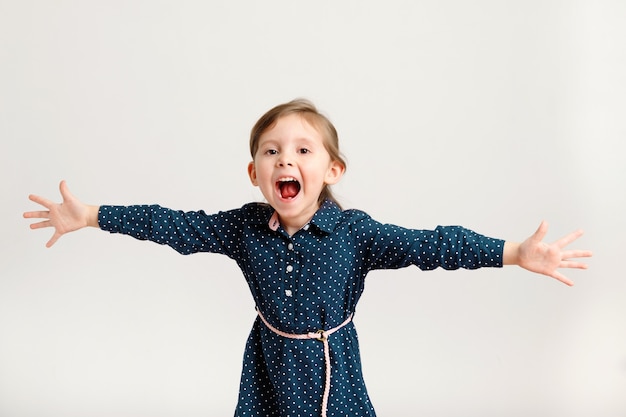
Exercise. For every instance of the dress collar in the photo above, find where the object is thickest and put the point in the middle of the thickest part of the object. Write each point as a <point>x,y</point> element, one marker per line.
<point>325,218</point>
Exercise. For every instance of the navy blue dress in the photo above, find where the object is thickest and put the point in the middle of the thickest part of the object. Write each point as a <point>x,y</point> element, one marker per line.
<point>301,283</point>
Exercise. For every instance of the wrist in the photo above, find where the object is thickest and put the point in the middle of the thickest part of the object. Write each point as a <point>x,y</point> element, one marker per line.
<point>510,255</point>
<point>92,216</point>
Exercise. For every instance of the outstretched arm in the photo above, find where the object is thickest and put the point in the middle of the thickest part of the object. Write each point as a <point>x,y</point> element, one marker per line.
<point>65,217</point>
<point>545,258</point>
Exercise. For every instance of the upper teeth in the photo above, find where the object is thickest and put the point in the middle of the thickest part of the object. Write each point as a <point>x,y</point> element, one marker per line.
<point>285,179</point>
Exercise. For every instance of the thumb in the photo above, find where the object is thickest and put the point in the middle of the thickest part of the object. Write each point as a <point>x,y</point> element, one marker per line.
<point>65,191</point>
<point>541,232</point>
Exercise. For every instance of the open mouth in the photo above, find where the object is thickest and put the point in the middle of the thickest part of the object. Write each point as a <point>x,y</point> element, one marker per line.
<point>288,187</point>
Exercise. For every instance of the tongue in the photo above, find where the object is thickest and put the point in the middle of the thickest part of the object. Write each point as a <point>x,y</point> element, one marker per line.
<point>290,189</point>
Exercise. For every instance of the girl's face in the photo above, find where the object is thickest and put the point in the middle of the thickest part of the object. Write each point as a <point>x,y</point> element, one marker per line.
<point>291,167</point>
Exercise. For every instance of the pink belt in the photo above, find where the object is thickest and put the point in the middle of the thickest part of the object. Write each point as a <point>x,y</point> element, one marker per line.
<point>322,336</point>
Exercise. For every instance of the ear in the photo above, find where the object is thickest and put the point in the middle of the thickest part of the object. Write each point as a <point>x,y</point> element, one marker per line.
<point>334,173</point>
<point>252,174</point>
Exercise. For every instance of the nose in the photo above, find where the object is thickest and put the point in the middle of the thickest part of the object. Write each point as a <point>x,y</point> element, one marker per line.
<point>284,161</point>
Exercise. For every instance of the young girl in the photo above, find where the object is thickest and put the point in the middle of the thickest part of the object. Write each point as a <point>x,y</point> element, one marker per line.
<point>305,261</point>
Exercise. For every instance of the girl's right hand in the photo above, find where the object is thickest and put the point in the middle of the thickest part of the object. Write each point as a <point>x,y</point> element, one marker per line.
<point>68,216</point>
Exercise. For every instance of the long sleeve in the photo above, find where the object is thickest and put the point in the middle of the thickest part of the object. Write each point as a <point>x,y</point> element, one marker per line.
<point>185,232</point>
<point>388,246</point>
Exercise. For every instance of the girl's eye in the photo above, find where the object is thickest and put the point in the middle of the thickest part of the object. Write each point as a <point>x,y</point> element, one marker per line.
<point>304,150</point>
<point>271,152</point>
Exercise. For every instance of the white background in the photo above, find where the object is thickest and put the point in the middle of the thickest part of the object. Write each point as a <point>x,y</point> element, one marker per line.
<point>489,114</point>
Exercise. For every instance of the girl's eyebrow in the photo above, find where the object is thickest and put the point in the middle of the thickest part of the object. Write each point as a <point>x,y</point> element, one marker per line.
<point>274,142</point>
<point>268,142</point>
<point>306,139</point>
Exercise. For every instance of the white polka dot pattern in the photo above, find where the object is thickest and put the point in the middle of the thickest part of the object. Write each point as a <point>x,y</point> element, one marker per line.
<point>301,283</point>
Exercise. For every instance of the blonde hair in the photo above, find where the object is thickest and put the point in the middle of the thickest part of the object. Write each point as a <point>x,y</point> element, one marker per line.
<point>309,112</point>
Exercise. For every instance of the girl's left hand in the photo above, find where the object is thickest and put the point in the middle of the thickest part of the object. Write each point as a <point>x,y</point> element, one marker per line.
<point>538,256</point>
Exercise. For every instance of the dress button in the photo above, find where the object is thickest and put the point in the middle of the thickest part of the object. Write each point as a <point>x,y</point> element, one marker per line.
<point>288,293</point>
<point>289,268</point>
<point>290,246</point>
